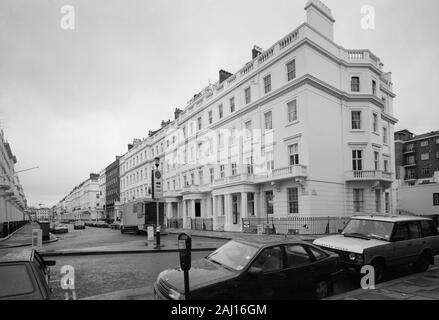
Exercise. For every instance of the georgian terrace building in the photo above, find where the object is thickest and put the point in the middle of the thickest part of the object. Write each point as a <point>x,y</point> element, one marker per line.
<point>12,198</point>
<point>305,129</point>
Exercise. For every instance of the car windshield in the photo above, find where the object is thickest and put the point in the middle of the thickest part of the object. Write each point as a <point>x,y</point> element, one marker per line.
<point>369,228</point>
<point>233,255</point>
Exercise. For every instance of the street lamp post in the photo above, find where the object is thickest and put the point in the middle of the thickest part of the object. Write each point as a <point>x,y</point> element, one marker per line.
<point>156,175</point>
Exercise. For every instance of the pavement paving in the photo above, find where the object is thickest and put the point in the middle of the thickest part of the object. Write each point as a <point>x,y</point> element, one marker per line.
<point>146,293</point>
<point>23,237</point>
<point>421,286</point>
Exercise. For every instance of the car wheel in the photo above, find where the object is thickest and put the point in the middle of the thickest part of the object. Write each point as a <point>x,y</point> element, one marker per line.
<point>380,270</point>
<point>122,230</point>
<point>322,289</point>
<point>423,263</point>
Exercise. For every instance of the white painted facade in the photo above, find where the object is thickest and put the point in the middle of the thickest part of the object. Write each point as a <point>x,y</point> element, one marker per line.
<point>12,197</point>
<point>302,158</point>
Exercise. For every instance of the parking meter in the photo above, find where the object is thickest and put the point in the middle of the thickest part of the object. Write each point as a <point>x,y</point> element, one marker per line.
<point>185,248</point>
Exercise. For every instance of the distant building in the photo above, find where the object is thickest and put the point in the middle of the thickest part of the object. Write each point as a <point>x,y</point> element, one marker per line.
<point>416,156</point>
<point>417,171</point>
<point>112,189</point>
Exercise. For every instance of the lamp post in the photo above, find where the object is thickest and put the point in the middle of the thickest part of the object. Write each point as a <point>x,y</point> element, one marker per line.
<point>156,175</point>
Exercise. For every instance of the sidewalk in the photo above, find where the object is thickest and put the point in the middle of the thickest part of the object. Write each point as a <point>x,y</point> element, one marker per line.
<point>23,237</point>
<point>421,286</point>
<point>241,236</point>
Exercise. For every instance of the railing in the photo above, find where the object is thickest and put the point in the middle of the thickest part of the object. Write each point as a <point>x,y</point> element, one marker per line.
<point>220,222</point>
<point>266,55</point>
<point>248,67</point>
<point>295,225</point>
<point>287,172</point>
<point>202,224</point>
<point>176,223</point>
<point>368,175</point>
<point>289,39</point>
<point>355,54</point>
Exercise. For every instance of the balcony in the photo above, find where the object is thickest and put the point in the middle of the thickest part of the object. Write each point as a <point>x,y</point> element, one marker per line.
<point>236,179</point>
<point>296,171</point>
<point>4,183</point>
<point>409,150</point>
<point>410,164</point>
<point>369,176</point>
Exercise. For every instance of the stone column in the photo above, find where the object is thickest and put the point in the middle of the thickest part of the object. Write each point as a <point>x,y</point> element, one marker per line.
<point>215,212</point>
<point>244,209</point>
<point>227,212</point>
<point>184,214</point>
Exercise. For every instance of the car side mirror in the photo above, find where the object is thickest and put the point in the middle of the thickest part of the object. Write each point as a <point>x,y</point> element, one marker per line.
<point>50,263</point>
<point>254,271</point>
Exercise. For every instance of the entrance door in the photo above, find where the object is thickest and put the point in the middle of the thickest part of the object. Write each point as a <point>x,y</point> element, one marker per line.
<point>197,209</point>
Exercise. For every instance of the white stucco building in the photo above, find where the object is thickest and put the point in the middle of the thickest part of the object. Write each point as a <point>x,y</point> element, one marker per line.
<point>83,201</point>
<point>12,198</point>
<point>305,129</point>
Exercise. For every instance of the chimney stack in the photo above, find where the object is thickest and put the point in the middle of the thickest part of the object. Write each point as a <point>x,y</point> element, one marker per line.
<point>177,113</point>
<point>256,51</point>
<point>224,75</point>
<point>319,16</point>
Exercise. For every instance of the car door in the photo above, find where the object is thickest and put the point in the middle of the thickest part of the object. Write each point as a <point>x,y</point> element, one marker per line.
<point>299,272</point>
<point>415,242</point>
<point>401,244</point>
<point>266,278</point>
<point>430,236</point>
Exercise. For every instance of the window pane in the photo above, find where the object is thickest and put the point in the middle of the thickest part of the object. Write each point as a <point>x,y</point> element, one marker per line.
<point>269,260</point>
<point>297,256</point>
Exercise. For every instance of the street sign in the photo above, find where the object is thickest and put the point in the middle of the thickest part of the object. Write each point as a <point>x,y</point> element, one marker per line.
<point>158,185</point>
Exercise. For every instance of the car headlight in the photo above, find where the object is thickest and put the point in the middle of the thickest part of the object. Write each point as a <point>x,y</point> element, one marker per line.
<point>175,295</point>
<point>352,256</point>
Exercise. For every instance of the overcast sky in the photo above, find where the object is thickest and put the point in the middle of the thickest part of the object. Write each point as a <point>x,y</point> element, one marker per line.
<point>72,100</point>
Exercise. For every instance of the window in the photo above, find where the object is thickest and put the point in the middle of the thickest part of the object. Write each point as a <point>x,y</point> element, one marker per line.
<point>293,201</point>
<point>200,123</point>
<point>414,230</point>
<point>355,84</point>
<point>234,170</point>
<point>192,179</point>
<point>437,155</point>
<point>268,121</point>
<point>424,143</point>
<point>232,136</point>
<point>374,87</point>
<point>250,165</point>
<point>248,97</point>
<point>377,160</point>
<point>269,202</point>
<point>222,174</point>
<point>292,111</point>
<point>200,177</point>
<point>378,201</point>
<point>248,129</point>
<point>270,260</point>
<point>232,104</point>
<point>269,160</point>
<point>297,256</point>
<point>358,200</point>
<point>318,254</point>
<point>375,122</point>
<point>212,175</point>
<point>251,204</point>
<point>386,166</point>
<point>401,232</point>
<point>428,228</point>
<point>411,174</point>
<point>436,199</point>
<point>356,120</point>
<point>387,202</point>
<point>220,111</point>
<point>425,156</point>
<point>184,134</point>
<point>267,84</point>
<point>291,70</point>
<point>426,171</point>
<point>220,140</point>
<point>294,154</point>
<point>357,160</point>
<point>384,135</point>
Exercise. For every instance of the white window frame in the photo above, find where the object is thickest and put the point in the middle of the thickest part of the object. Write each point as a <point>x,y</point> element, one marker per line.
<point>292,114</point>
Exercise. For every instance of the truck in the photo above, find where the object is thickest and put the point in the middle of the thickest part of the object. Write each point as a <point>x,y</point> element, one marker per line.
<point>136,216</point>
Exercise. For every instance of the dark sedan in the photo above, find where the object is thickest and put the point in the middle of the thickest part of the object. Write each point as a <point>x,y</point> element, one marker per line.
<point>255,270</point>
<point>24,275</point>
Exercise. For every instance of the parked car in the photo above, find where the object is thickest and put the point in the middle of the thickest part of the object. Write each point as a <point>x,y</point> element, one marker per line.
<point>79,225</point>
<point>260,269</point>
<point>24,275</point>
<point>101,224</point>
<point>384,242</point>
<point>59,228</point>
<point>115,225</point>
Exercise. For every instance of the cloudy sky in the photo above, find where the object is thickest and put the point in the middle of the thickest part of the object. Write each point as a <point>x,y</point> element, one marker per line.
<point>72,100</point>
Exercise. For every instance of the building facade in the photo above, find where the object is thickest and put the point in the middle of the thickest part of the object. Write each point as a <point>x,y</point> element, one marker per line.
<point>305,129</point>
<point>102,195</point>
<point>12,198</point>
<point>112,189</point>
<point>417,157</point>
<point>82,202</point>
